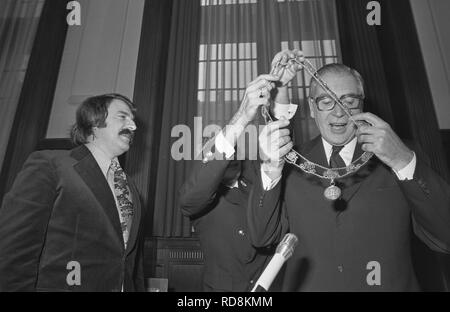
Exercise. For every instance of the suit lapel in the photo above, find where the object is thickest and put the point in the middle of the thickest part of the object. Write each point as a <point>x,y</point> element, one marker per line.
<point>352,184</point>
<point>314,152</point>
<point>90,172</point>
<point>137,215</point>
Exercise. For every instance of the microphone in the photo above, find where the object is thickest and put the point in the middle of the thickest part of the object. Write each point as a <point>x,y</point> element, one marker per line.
<point>284,251</point>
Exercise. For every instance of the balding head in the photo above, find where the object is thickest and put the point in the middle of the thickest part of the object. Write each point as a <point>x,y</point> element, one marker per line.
<point>339,70</point>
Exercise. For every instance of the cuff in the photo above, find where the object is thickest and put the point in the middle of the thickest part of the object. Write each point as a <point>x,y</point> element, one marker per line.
<point>407,173</point>
<point>284,110</point>
<point>267,182</point>
<point>223,146</point>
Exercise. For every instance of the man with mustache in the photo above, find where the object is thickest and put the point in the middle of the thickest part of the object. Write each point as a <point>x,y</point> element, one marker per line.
<point>72,220</point>
<point>361,241</point>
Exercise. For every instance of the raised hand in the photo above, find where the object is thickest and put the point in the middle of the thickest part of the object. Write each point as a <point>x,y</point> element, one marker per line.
<point>257,94</point>
<point>274,143</point>
<point>284,66</point>
<point>380,139</point>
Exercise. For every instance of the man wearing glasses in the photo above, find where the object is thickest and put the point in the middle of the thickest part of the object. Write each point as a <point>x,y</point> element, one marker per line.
<point>361,241</point>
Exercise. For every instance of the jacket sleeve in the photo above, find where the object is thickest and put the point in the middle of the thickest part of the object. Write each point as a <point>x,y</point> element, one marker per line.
<point>24,217</point>
<point>429,197</point>
<point>266,214</point>
<point>139,277</point>
<point>200,188</point>
<point>203,181</point>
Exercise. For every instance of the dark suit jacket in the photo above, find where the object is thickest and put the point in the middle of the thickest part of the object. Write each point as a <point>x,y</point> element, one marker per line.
<point>61,209</point>
<point>372,222</point>
<point>219,218</point>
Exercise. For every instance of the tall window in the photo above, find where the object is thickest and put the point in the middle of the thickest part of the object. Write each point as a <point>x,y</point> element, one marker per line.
<point>224,71</point>
<point>239,39</point>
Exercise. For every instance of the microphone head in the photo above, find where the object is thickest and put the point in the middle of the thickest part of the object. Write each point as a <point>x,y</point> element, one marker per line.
<point>287,245</point>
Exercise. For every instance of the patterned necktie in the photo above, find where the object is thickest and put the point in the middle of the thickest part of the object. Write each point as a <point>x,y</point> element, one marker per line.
<point>123,196</point>
<point>336,160</point>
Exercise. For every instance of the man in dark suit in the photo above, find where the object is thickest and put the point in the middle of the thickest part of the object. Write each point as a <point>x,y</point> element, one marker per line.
<point>72,219</point>
<point>215,197</point>
<point>360,242</point>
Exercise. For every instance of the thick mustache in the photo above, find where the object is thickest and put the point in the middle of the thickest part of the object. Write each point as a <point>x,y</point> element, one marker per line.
<point>127,132</point>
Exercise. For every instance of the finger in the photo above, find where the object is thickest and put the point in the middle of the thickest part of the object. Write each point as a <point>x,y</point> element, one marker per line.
<point>364,138</point>
<point>301,58</point>
<point>276,67</point>
<point>275,137</point>
<point>278,133</point>
<point>368,147</point>
<point>292,69</point>
<point>261,82</point>
<point>284,59</point>
<point>278,57</point>
<point>297,52</point>
<point>291,54</point>
<point>283,140</point>
<point>255,90</point>
<point>281,123</point>
<point>366,130</point>
<point>286,148</point>
<point>370,118</point>
<point>268,77</point>
<point>264,92</point>
<point>361,123</point>
<point>295,67</point>
<point>284,132</point>
<point>298,55</point>
<point>258,101</point>
<point>263,78</point>
<point>259,93</point>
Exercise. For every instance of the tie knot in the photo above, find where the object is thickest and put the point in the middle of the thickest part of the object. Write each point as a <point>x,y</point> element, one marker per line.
<point>115,166</point>
<point>337,149</point>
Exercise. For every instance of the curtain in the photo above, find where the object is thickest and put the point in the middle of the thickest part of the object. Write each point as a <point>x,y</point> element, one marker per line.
<point>18,23</point>
<point>37,90</point>
<point>216,48</point>
<point>389,58</point>
<point>179,108</point>
<point>360,49</point>
<point>238,41</point>
<point>142,158</point>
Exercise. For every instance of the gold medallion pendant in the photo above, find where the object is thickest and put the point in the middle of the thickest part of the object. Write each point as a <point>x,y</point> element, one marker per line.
<point>332,192</point>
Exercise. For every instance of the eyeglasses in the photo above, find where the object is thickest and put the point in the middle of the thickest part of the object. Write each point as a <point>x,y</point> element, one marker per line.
<point>326,103</point>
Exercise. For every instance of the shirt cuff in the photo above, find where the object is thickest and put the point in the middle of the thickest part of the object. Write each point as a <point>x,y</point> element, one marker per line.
<point>223,146</point>
<point>407,173</point>
<point>267,182</point>
<point>284,110</point>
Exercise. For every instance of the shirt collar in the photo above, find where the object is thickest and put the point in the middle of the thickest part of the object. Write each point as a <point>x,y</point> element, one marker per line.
<point>100,157</point>
<point>346,153</point>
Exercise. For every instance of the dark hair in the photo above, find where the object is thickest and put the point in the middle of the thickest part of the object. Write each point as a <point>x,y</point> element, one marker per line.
<point>337,68</point>
<point>92,113</point>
